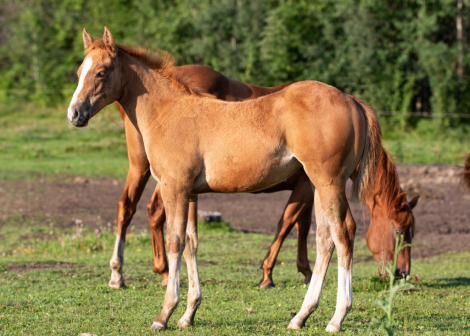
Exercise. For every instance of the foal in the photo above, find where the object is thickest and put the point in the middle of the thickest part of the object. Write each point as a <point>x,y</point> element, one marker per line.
<point>298,211</point>
<point>197,145</point>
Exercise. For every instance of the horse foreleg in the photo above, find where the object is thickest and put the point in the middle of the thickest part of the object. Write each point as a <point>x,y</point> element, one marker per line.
<point>135,185</point>
<point>157,217</point>
<point>325,248</point>
<point>176,200</point>
<point>190,253</point>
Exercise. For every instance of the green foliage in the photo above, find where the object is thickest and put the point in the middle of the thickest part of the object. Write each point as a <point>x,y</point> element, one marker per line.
<point>399,56</point>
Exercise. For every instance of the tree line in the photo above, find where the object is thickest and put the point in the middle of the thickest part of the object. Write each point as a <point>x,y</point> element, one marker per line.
<point>398,55</point>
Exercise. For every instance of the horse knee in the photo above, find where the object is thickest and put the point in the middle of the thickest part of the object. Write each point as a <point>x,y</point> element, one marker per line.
<point>126,209</point>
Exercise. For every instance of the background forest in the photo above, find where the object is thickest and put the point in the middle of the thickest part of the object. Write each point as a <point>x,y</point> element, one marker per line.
<point>400,56</point>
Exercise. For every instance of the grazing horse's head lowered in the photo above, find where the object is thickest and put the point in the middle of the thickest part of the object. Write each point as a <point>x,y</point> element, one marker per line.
<point>98,85</point>
<point>391,215</point>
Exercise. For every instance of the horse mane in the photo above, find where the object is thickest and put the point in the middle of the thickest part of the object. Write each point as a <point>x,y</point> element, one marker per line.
<point>387,181</point>
<point>160,61</point>
<point>388,184</point>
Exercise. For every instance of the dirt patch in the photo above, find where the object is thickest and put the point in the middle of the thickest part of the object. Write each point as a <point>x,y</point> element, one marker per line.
<point>39,266</point>
<point>442,214</point>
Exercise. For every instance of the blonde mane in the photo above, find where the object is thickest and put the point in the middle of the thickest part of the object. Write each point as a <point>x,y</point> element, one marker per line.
<point>160,61</point>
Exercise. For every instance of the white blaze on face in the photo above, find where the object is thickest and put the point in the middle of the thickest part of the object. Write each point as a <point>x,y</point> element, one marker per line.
<point>86,67</point>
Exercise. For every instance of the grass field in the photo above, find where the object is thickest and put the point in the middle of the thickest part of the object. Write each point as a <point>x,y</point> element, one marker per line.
<point>38,140</point>
<point>54,282</point>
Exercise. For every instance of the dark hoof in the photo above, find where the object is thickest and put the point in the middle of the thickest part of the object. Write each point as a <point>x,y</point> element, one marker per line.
<point>266,284</point>
<point>307,279</point>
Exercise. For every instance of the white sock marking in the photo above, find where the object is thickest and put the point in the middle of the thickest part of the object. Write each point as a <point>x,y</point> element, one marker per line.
<point>344,298</point>
<point>86,67</point>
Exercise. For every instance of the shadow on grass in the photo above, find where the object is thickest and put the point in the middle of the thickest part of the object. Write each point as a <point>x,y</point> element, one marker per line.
<point>450,282</point>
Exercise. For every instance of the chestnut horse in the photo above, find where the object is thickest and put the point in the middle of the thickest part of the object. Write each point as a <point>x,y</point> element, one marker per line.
<point>298,211</point>
<point>196,144</point>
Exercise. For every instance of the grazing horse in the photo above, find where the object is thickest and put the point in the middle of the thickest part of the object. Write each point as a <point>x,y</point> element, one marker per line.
<point>390,215</point>
<point>196,144</point>
<point>298,210</point>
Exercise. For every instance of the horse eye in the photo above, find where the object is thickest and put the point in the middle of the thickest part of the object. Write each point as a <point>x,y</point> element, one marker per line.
<point>100,74</point>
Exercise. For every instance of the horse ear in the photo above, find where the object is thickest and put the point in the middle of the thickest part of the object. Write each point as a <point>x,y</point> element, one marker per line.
<point>109,42</point>
<point>87,39</point>
<point>400,201</point>
<point>413,202</point>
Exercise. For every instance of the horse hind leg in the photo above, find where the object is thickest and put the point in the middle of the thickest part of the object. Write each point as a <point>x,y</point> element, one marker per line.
<point>343,229</point>
<point>325,248</point>
<point>190,252</point>
<point>293,215</point>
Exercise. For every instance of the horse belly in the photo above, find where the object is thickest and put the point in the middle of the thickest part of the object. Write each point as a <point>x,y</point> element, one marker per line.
<point>247,173</point>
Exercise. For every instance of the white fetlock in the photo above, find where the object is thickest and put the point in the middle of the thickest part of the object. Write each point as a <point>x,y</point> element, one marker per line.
<point>157,326</point>
<point>332,329</point>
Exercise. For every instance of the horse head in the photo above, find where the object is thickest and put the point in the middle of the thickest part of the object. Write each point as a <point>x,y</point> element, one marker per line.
<point>99,81</point>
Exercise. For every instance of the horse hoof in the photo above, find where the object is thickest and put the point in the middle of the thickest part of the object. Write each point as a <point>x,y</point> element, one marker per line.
<point>164,282</point>
<point>157,326</point>
<point>293,326</point>
<point>116,284</point>
<point>184,323</point>
<point>307,279</point>
<point>331,329</point>
<point>266,284</point>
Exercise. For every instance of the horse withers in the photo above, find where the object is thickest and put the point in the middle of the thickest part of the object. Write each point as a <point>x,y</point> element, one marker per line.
<point>196,145</point>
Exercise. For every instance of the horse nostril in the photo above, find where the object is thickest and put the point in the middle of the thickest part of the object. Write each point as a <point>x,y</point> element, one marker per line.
<point>75,114</point>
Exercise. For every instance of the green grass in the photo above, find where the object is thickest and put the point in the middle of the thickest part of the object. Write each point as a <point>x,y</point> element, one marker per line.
<point>69,301</point>
<point>37,140</point>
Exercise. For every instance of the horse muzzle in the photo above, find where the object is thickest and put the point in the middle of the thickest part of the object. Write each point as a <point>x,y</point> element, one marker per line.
<point>79,119</point>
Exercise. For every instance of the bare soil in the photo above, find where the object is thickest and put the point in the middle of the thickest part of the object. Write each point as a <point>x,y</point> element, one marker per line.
<point>442,214</point>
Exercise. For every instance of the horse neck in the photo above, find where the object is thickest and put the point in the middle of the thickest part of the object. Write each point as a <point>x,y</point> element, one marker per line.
<point>145,92</point>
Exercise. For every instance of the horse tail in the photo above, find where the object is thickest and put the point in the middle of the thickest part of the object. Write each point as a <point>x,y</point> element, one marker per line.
<point>363,184</point>
<point>466,171</point>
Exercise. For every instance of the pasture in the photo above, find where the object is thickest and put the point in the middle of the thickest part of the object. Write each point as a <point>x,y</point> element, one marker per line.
<point>55,269</point>
<point>57,285</point>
